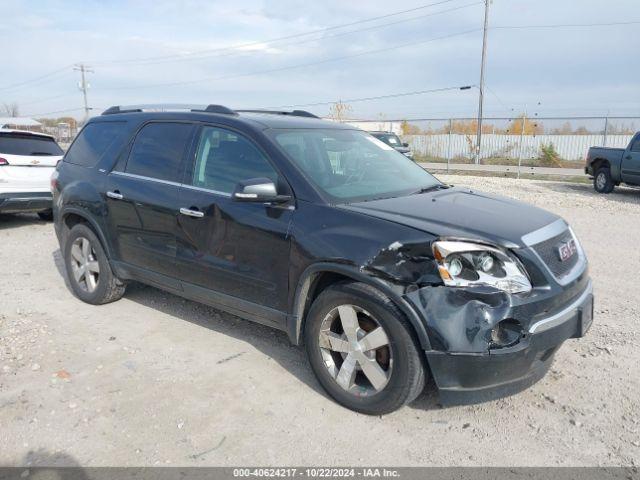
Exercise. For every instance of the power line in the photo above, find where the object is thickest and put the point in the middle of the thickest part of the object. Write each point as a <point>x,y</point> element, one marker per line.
<point>37,79</point>
<point>287,37</point>
<point>292,67</point>
<point>565,25</point>
<point>379,97</point>
<point>230,52</point>
<point>56,111</point>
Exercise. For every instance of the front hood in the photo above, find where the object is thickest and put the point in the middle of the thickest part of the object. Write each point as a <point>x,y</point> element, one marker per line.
<point>461,212</point>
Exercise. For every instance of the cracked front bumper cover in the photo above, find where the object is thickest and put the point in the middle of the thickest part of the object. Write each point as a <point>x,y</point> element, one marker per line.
<point>464,377</point>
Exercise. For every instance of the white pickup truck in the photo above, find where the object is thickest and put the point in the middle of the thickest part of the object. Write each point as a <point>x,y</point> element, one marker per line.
<point>27,160</point>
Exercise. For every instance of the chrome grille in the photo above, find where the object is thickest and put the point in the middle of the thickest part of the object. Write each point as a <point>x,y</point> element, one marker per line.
<point>547,250</point>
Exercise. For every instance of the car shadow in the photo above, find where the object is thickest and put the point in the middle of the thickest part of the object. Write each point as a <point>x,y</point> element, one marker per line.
<point>9,220</point>
<point>271,342</point>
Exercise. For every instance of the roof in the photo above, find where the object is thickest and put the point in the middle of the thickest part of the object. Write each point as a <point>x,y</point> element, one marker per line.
<point>19,121</point>
<point>259,119</point>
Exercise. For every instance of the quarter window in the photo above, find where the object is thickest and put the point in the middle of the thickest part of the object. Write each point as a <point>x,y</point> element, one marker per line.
<point>225,158</point>
<point>158,150</point>
<point>93,141</point>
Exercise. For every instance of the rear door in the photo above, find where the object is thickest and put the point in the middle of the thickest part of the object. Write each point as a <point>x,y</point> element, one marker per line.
<point>631,162</point>
<point>142,197</point>
<point>240,250</point>
<point>27,161</point>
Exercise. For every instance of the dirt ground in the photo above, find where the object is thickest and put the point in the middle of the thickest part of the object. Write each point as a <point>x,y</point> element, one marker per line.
<point>157,380</point>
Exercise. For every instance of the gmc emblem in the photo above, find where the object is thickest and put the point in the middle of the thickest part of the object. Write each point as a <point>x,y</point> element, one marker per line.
<point>567,250</point>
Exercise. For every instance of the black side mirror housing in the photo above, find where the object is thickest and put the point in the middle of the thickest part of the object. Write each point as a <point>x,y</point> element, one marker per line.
<point>258,190</point>
<point>405,144</point>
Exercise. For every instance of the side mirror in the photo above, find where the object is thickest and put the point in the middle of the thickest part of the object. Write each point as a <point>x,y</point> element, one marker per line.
<point>258,190</point>
<point>405,144</point>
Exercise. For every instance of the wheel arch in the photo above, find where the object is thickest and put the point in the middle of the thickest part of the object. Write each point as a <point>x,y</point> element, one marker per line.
<point>599,162</point>
<point>71,216</point>
<point>319,276</point>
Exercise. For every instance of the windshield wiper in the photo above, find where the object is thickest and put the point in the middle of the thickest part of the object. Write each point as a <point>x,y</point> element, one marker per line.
<point>438,186</point>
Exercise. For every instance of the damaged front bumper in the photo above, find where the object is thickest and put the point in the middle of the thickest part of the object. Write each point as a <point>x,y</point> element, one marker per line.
<point>466,359</point>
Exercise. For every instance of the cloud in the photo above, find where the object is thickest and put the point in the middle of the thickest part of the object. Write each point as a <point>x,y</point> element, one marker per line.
<point>558,68</point>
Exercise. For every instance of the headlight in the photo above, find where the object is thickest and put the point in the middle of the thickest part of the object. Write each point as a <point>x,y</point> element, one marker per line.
<point>465,263</point>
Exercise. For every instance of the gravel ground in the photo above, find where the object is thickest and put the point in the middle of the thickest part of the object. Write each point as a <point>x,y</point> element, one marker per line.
<point>154,379</point>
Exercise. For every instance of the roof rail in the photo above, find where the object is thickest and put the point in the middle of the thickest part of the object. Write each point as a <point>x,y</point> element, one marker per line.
<point>294,113</point>
<point>166,107</point>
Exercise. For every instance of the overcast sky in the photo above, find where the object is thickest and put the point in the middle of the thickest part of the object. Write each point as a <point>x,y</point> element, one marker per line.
<point>548,71</point>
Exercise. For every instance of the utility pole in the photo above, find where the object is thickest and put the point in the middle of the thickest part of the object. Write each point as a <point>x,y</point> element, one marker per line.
<point>481,99</point>
<point>84,86</point>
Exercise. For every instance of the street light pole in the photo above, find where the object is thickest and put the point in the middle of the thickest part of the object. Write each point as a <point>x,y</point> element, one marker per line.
<point>481,87</point>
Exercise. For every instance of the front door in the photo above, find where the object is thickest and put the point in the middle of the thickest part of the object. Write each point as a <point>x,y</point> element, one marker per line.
<point>631,163</point>
<point>239,250</point>
<point>142,198</point>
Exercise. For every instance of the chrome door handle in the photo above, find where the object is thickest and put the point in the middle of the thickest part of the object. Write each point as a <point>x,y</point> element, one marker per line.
<point>115,195</point>
<point>191,213</point>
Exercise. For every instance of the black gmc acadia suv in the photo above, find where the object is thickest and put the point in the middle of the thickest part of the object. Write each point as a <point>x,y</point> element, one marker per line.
<point>320,230</point>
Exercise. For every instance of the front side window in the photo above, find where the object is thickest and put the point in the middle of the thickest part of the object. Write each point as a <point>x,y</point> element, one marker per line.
<point>158,151</point>
<point>224,158</point>
<point>351,165</point>
<point>636,145</point>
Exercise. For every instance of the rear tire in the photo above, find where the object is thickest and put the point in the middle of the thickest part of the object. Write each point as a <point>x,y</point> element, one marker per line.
<point>88,269</point>
<point>602,181</point>
<point>375,374</point>
<point>46,216</point>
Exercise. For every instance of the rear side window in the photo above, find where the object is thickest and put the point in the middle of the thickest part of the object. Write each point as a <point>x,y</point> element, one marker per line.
<point>225,158</point>
<point>158,150</point>
<point>26,144</point>
<point>93,141</point>
<point>636,145</point>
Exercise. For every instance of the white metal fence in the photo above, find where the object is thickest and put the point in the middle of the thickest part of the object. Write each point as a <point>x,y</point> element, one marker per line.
<point>548,143</point>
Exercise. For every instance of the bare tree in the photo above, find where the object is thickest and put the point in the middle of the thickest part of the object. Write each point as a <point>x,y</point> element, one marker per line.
<point>339,111</point>
<point>11,109</point>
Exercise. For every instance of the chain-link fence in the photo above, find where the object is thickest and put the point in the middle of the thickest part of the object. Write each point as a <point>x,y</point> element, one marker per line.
<point>521,144</point>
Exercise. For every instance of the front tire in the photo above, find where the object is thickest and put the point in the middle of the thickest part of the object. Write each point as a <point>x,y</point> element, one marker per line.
<point>602,181</point>
<point>88,269</point>
<point>362,349</point>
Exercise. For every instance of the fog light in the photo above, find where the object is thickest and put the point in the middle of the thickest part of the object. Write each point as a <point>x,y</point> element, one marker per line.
<point>506,334</point>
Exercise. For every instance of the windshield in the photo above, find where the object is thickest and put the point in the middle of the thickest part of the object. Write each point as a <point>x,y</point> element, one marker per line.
<point>389,138</point>
<point>351,165</point>
<point>26,144</point>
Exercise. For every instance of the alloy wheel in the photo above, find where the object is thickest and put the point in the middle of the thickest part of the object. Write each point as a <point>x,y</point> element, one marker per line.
<point>601,181</point>
<point>84,265</point>
<point>356,350</point>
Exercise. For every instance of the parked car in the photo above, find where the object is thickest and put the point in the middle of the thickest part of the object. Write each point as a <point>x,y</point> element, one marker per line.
<point>318,229</point>
<point>610,167</point>
<point>27,160</point>
<point>394,141</point>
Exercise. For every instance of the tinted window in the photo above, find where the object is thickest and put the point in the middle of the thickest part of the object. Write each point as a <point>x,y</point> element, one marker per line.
<point>636,145</point>
<point>225,158</point>
<point>25,144</point>
<point>93,141</point>
<point>158,150</point>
